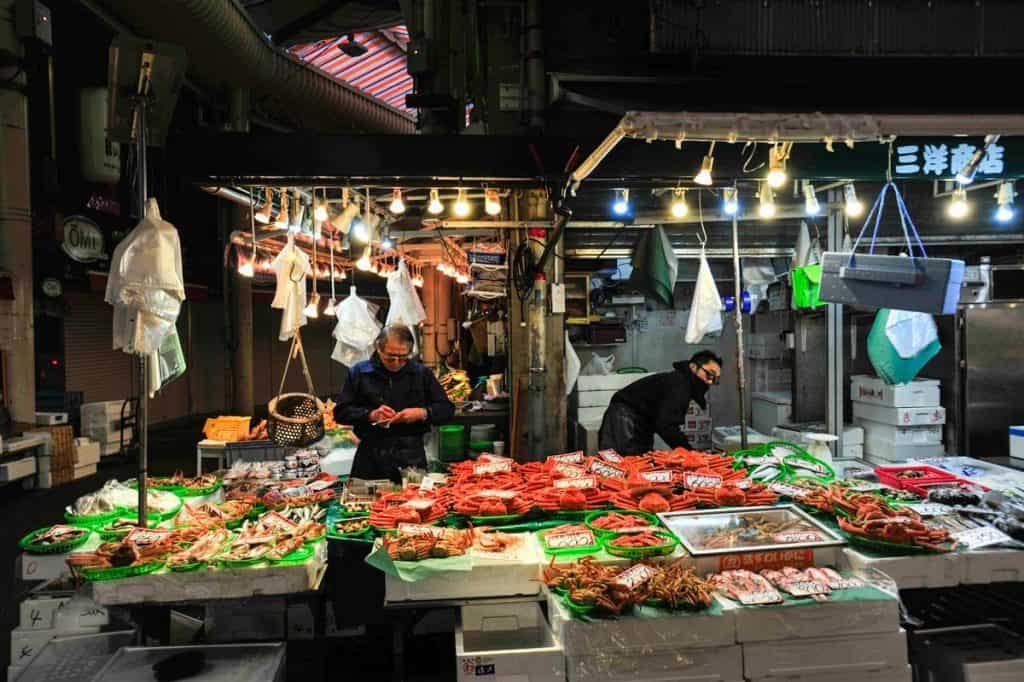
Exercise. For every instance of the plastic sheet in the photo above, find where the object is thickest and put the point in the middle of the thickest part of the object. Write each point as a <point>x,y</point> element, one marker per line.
<point>706,309</point>
<point>406,307</point>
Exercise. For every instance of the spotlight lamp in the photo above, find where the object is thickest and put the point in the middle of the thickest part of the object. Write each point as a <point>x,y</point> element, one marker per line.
<point>1004,200</point>
<point>777,156</point>
<point>958,207</point>
<point>766,207</point>
<point>679,207</point>
<point>620,206</point>
<point>731,203</point>
<point>811,205</point>
<point>854,207</point>
<point>703,176</point>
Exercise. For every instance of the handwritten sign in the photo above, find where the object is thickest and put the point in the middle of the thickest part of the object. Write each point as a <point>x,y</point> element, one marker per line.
<point>805,588</point>
<point>635,576</point>
<point>581,483</point>
<point>982,536</point>
<point>568,457</point>
<point>569,539</point>
<point>569,470</point>
<point>759,597</point>
<point>794,538</point>
<point>845,584</point>
<point>420,529</point>
<point>661,476</point>
<point>496,467</point>
<point>610,455</point>
<point>692,480</point>
<point>787,490</point>
<point>607,470</point>
<point>276,521</point>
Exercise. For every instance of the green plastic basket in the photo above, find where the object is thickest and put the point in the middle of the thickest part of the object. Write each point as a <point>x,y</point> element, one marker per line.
<point>110,535</point>
<point>884,547</point>
<point>96,520</point>
<point>318,538</point>
<point>241,563</point>
<point>601,532</point>
<point>357,535</point>
<point>299,556</point>
<point>121,572</point>
<point>503,520</point>
<point>567,551</point>
<point>642,552</point>
<point>573,515</point>
<point>56,548</point>
<point>187,568</point>
<point>580,610</point>
<point>198,492</point>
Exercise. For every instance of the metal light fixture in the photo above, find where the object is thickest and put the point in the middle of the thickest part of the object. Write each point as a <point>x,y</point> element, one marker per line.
<point>777,166</point>
<point>958,207</point>
<point>320,208</point>
<point>298,213</point>
<point>731,203</point>
<point>492,204</point>
<point>364,260</point>
<point>397,206</point>
<point>461,207</point>
<point>854,207</point>
<point>703,176</point>
<point>263,215</point>
<point>766,207</point>
<point>246,269</point>
<point>435,206</point>
<point>679,207</point>
<point>965,175</point>
<point>621,204</point>
<point>811,205</point>
<point>282,221</point>
<point>1004,200</point>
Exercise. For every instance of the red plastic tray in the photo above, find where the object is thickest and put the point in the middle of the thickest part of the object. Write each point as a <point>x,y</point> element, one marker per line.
<point>888,476</point>
<point>923,488</point>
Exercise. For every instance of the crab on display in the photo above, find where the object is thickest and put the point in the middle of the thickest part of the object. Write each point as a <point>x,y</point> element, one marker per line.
<point>485,504</point>
<point>571,499</point>
<point>654,499</point>
<point>880,521</point>
<point>732,495</point>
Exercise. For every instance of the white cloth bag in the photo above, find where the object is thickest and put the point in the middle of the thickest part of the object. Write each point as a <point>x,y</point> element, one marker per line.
<point>706,308</point>
<point>291,268</point>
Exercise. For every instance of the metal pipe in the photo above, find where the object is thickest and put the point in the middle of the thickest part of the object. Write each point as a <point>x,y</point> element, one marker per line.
<point>142,418</point>
<point>741,378</point>
<point>534,64</point>
<point>834,349</point>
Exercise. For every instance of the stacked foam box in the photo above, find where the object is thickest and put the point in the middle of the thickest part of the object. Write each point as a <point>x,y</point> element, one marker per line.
<point>900,422</point>
<point>839,640</point>
<point>101,422</point>
<point>651,645</point>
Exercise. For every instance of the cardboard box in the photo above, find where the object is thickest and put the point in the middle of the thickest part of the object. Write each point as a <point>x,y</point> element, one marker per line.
<point>900,416</point>
<point>722,664</point>
<point>607,382</point>
<point>86,452</point>
<point>846,654</point>
<point>873,391</point>
<point>507,643</point>
<point>901,435</point>
<point>38,613</point>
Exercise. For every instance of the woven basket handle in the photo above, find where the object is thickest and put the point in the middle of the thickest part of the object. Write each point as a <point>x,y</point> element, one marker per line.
<point>296,350</point>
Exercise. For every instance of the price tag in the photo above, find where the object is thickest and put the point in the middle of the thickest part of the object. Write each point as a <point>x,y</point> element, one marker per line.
<point>759,597</point>
<point>570,470</point>
<point>795,538</point>
<point>982,536</point>
<point>610,455</point>
<point>693,480</point>
<point>787,490</point>
<point>661,476</point>
<point>635,576</point>
<point>845,584</point>
<point>420,503</point>
<point>811,467</point>
<point>805,588</point>
<point>275,520</point>
<point>492,467</point>
<point>427,484</point>
<point>866,488</point>
<point>932,509</point>
<point>500,494</point>
<point>568,457</point>
<point>565,540</point>
<point>582,483</point>
<point>607,470</point>
<point>633,529</point>
<point>420,529</point>
<point>148,536</point>
<point>317,486</point>
<point>743,483</point>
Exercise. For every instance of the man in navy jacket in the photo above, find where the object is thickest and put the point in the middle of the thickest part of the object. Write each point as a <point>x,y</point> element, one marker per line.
<point>391,400</point>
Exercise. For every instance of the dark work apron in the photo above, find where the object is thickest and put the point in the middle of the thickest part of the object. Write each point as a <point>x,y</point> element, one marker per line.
<point>623,430</point>
<point>385,457</point>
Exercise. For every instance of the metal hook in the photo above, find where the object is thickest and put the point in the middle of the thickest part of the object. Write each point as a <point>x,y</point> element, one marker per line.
<point>888,167</point>
<point>702,236</point>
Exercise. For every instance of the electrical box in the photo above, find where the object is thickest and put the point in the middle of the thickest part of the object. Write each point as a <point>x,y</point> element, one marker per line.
<point>32,20</point>
<point>557,298</point>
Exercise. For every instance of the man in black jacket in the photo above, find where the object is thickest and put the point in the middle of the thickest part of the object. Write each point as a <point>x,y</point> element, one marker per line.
<point>657,405</point>
<point>391,400</point>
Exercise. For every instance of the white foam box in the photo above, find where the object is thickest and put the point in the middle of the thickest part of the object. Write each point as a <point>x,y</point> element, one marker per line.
<point>83,471</point>
<point>1017,442</point>
<point>607,382</point>
<point>899,673</point>
<point>900,416</point>
<point>590,414</point>
<point>873,391</point>
<point>721,664</point>
<point>595,398</point>
<point>86,452</point>
<point>509,575</point>
<point>852,435</point>
<point>15,671</point>
<point>846,654</point>
<point>769,409</point>
<point>18,469</point>
<point>37,613</point>
<point>646,630</point>
<point>507,643</point>
<point>901,435</point>
<point>853,451</point>
<point>912,571</point>
<point>888,452</point>
<point>101,411</point>
<point>874,612</point>
<point>993,565</point>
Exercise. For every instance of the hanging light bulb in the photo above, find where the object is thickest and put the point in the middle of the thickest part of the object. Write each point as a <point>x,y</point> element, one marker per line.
<point>263,215</point>
<point>386,242</point>
<point>958,203</point>
<point>329,310</point>
<point>766,208</point>
<point>282,217</point>
<point>461,207</point>
<point>1004,200</point>
<point>853,206</point>
<point>320,209</point>
<point>731,204</point>
<point>621,204</point>
<point>312,308</point>
<point>298,213</point>
<point>777,166</point>
<point>811,205</point>
<point>246,269</point>
<point>360,233</point>
<point>703,176</point>
<point>435,206</point>
<point>364,261</point>
<point>397,206</point>
<point>492,204</point>
<point>679,208</point>
<point>343,221</point>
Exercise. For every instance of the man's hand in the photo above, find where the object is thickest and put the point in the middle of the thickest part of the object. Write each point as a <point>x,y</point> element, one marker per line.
<point>410,415</point>
<point>382,414</point>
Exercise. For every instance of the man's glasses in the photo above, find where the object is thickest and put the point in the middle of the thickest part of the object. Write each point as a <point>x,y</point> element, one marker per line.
<point>711,376</point>
<point>390,356</point>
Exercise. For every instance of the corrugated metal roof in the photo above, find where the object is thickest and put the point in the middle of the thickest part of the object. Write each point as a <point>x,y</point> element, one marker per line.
<point>380,73</point>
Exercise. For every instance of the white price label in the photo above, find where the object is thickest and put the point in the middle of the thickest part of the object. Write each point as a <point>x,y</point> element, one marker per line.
<point>610,455</point>
<point>635,576</point>
<point>633,529</point>
<point>788,490</point>
<point>275,520</point>
<point>805,588</point>
<point>420,529</point>
<point>760,597</point>
<point>500,494</point>
<point>932,509</point>
<point>983,536</point>
<point>576,538</point>
<point>420,503</point>
<point>569,457</point>
<point>693,480</point>
<point>582,483</point>
<point>795,538</point>
<point>149,536</point>
<point>866,488</point>
<point>845,584</point>
<point>492,467</point>
<point>427,483</point>
<point>607,470</point>
<point>570,470</point>
<point>662,476</point>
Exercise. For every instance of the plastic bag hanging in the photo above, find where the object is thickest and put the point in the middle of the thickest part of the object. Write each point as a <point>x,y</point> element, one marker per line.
<point>356,330</point>
<point>706,309</point>
<point>405,307</point>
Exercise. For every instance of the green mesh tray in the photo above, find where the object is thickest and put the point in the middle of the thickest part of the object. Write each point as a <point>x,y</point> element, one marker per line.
<point>198,492</point>
<point>503,520</point>
<point>299,556</point>
<point>187,568</point>
<point>602,532</point>
<point>241,563</point>
<point>884,547</point>
<point>56,548</point>
<point>121,572</point>
<point>580,610</point>
<point>641,552</point>
<point>96,520</point>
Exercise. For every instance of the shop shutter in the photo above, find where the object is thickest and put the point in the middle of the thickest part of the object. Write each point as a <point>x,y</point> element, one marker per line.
<point>90,364</point>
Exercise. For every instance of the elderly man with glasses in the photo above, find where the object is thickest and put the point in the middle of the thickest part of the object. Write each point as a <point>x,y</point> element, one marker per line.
<point>391,400</point>
<point>657,405</point>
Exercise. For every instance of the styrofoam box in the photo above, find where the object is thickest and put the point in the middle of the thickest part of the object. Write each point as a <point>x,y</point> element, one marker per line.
<point>83,471</point>
<point>18,469</point>
<point>590,414</point>
<point>901,435</point>
<point>595,398</point>
<point>888,452</point>
<point>103,409</point>
<point>900,416</point>
<point>872,390</point>
<point>37,613</point>
<point>721,664</point>
<point>649,630</point>
<point>507,643</point>
<point>846,654</point>
<point>87,452</point>
<point>491,577</point>
<point>770,409</point>
<point>993,565</point>
<point>809,618</point>
<point>902,673</point>
<point>909,572</point>
<point>1017,442</point>
<point>853,451</point>
<point>607,382</point>
<point>852,435</point>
